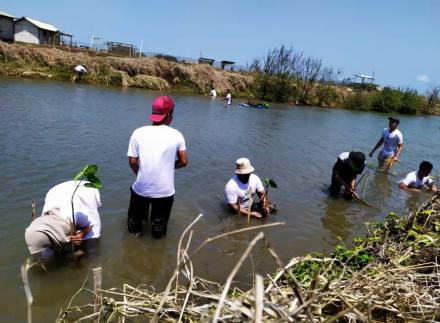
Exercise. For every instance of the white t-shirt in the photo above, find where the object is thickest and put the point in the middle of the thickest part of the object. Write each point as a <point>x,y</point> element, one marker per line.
<point>213,93</point>
<point>80,69</point>
<point>412,180</point>
<point>229,98</point>
<point>391,141</point>
<point>85,203</point>
<point>156,147</point>
<point>237,190</point>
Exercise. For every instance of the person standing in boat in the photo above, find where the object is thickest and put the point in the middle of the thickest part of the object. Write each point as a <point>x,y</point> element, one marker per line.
<point>228,98</point>
<point>154,152</point>
<point>392,141</point>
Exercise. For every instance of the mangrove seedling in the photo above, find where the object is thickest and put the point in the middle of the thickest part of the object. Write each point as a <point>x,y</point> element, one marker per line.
<point>269,183</point>
<point>88,173</point>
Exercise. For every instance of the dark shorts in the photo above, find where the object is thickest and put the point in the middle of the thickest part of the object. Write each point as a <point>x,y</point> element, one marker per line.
<point>335,187</point>
<point>139,210</point>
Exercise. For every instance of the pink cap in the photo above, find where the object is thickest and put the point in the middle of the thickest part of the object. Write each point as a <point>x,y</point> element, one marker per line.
<point>162,105</point>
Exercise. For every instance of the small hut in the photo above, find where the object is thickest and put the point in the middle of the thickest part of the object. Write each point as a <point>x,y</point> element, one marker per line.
<point>6,27</point>
<point>224,64</point>
<point>208,61</point>
<point>28,30</point>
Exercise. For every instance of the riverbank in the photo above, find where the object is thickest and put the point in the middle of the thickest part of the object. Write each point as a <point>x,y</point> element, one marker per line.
<point>40,62</point>
<point>390,275</point>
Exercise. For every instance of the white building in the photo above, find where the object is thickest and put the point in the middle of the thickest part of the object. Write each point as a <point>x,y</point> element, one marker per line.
<point>6,26</point>
<point>28,30</point>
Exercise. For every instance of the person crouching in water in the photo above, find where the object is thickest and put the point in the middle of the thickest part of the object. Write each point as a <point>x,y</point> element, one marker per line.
<point>418,180</point>
<point>239,187</point>
<point>345,170</point>
<point>51,232</point>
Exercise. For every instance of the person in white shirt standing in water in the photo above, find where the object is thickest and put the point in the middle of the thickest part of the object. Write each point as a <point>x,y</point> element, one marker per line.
<point>153,153</point>
<point>238,188</point>
<point>228,98</point>
<point>392,141</point>
<point>419,180</point>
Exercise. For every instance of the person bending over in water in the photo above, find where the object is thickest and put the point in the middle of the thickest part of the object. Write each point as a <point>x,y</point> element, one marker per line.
<point>345,170</point>
<point>240,185</point>
<point>418,180</point>
<point>52,230</point>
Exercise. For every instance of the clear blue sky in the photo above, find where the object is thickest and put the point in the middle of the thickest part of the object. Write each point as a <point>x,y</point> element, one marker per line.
<point>398,40</point>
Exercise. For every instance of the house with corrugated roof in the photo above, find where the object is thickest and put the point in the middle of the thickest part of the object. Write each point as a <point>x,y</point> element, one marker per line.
<point>28,30</point>
<point>6,26</point>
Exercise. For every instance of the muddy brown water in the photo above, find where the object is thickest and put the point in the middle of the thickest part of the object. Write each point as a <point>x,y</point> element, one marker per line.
<point>50,130</point>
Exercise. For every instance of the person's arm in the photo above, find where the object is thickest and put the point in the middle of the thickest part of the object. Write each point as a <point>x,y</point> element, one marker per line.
<point>399,150</point>
<point>379,143</point>
<point>263,199</point>
<point>77,238</point>
<point>182,159</point>
<point>134,164</point>
<point>433,188</point>
<point>235,208</point>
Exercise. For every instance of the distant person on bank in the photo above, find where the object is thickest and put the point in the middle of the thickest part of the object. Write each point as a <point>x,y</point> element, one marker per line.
<point>419,180</point>
<point>238,187</point>
<point>228,98</point>
<point>52,230</point>
<point>347,167</point>
<point>153,153</point>
<point>392,141</point>
<point>213,93</point>
<point>80,70</point>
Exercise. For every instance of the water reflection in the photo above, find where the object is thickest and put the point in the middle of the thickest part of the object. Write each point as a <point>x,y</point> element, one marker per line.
<point>335,219</point>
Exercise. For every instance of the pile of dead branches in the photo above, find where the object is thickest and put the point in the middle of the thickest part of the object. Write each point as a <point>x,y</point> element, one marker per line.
<point>391,275</point>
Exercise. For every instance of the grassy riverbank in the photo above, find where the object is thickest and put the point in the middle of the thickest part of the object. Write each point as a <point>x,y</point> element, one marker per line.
<point>390,275</point>
<point>150,73</point>
<point>308,83</point>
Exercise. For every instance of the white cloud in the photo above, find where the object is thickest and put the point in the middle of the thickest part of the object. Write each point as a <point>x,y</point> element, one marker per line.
<point>423,78</point>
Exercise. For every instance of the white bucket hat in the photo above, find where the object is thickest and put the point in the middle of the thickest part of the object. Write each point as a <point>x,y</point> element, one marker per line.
<point>243,166</point>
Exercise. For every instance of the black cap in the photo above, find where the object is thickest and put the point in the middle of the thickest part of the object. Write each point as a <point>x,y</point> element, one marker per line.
<point>394,119</point>
<point>357,160</point>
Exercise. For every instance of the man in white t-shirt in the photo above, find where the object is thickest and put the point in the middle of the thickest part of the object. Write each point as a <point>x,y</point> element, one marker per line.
<point>153,153</point>
<point>392,141</point>
<point>228,98</point>
<point>52,230</point>
<point>420,179</point>
<point>238,188</point>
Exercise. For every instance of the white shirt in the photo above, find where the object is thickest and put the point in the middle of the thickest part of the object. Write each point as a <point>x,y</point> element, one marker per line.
<point>85,203</point>
<point>156,147</point>
<point>80,69</point>
<point>391,141</point>
<point>412,180</point>
<point>237,190</point>
<point>213,93</point>
<point>229,98</point>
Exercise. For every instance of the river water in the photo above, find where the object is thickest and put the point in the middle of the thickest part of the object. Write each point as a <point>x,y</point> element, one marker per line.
<point>50,130</point>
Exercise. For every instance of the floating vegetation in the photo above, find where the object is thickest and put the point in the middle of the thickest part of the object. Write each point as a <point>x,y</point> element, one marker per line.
<point>390,275</point>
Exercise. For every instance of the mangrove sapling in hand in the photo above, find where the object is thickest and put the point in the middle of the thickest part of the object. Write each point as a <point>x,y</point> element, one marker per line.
<point>88,173</point>
<point>270,182</point>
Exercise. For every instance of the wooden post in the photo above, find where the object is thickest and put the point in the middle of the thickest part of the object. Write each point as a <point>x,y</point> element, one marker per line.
<point>97,284</point>
<point>27,289</point>
<point>259,298</point>
<point>250,201</point>
<point>33,210</point>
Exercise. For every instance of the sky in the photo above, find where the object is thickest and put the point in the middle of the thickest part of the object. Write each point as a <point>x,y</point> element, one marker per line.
<point>397,40</point>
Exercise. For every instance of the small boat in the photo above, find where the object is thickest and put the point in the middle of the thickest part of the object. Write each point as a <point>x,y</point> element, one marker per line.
<point>256,106</point>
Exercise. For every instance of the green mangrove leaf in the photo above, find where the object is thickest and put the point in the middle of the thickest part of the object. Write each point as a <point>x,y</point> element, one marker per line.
<point>88,170</point>
<point>94,182</point>
<point>270,182</point>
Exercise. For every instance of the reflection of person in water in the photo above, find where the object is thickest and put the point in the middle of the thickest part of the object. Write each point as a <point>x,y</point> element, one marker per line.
<point>335,220</point>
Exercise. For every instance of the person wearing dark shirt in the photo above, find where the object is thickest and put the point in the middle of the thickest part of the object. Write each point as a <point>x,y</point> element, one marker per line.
<point>344,173</point>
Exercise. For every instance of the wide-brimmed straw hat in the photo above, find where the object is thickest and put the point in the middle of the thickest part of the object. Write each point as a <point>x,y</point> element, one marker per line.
<point>243,166</point>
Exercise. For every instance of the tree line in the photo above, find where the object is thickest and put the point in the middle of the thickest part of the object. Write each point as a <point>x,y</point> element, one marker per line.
<point>287,75</point>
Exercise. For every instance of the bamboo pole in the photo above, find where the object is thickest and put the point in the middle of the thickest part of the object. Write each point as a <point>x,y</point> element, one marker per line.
<point>33,210</point>
<point>97,285</point>
<point>259,298</point>
<point>27,289</point>
<point>250,201</point>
